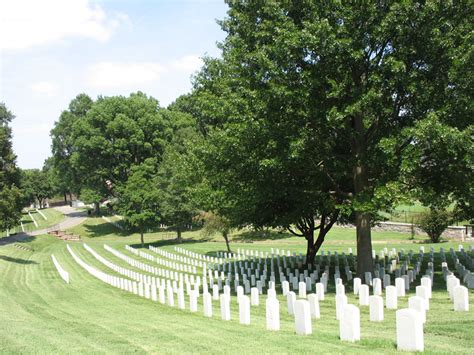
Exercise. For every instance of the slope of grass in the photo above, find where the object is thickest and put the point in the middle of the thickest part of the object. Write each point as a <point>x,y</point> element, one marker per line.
<point>42,314</point>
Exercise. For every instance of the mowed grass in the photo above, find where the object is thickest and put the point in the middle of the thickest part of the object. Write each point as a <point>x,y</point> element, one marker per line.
<point>53,217</point>
<point>42,314</point>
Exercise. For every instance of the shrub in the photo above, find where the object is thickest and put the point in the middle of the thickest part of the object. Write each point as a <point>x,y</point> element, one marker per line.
<point>434,222</point>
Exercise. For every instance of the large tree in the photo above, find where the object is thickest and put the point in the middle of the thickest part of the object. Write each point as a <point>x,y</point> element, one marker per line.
<point>326,92</point>
<point>36,186</point>
<point>139,198</point>
<point>10,195</point>
<point>66,176</point>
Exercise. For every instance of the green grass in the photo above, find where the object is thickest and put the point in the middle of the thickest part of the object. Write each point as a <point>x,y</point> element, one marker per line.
<point>53,217</point>
<point>42,314</point>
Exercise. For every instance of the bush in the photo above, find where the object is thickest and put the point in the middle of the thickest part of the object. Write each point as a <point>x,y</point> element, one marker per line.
<point>434,222</point>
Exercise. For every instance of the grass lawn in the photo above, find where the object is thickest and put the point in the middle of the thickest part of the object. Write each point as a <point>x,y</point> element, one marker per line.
<point>53,217</point>
<point>42,314</point>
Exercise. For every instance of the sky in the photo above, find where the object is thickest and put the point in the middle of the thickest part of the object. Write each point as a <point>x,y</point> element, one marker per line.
<point>52,50</point>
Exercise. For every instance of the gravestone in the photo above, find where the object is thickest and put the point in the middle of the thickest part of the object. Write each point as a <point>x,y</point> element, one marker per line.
<point>285,287</point>
<point>193,296</point>
<point>170,295</point>
<point>341,301</point>
<point>244,310</point>
<point>271,293</point>
<point>364,295</point>
<point>376,308</point>
<point>272,307</point>
<point>225,307</point>
<point>426,281</point>
<point>181,304</point>
<point>302,290</point>
<point>215,292</point>
<point>409,330</point>
<point>207,301</point>
<point>377,286</point>
<point>391,297</point>
<point>461,299</point>
<point>400,285</point>
<point>303,318</point>
<point>320,291</point>
<point>290,302</point>
<point>357,282</point>
<point>422,291</point>
<point>314,305</point>
<point>418,304</point>
<point>349,325</point>
<point>254,296</point>
<point>340,289</point>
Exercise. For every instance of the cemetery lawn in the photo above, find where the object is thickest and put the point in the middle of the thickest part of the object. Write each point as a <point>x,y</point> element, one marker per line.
<point>40,313</point>
<point>53,217</point>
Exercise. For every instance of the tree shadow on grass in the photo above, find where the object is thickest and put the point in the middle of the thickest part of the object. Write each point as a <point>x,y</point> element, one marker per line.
<point>252,236</point>
<point>171,241</point>
<point>17,260</point>
<point>17,238</point>
<point>101,230</point>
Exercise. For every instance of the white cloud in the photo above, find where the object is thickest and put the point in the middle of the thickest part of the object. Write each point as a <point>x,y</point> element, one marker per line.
<point>44,88</point>
<point>28,23</point>
<point>121,75</point>
<point>189,63</point>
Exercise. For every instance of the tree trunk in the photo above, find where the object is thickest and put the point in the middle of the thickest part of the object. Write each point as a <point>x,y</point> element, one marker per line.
<point>178,232</point>
<point>65,198</point>
<point>226,237</point>
<point>364,244</point>
<point>141,237</point>
<point>310,248</point>
<point>97,208</point>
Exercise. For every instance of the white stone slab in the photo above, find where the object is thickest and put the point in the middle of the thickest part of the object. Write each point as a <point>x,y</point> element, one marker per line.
<point>391,298</point>
<point>461,299</point>
<point>357,282</point>
<point>313,300</point>
<point>377,286</point>
<point>376,308</point>
<point>320,291</point>
<point>272,307</point>
<point>422,291</point>
<point>400,285</point>
<point>302,290</point>
<point>303,318</point>
<point>290,302</point>
<point>225,307</point>
<point>349,325</point>
<point>418,304</point>
<point>409,330</point>
<point>207,302</point>
<point>341,301</point>
<point>364,295</point>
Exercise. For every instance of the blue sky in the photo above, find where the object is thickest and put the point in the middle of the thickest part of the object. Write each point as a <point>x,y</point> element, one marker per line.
<point>52,50</point>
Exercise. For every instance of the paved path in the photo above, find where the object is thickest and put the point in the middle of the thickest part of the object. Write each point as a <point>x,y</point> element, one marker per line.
<point>73,218</point>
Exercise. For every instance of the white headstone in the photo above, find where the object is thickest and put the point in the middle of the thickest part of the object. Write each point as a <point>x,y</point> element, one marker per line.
<point>426,281</point>
<point>225,307</point>
<point>244,310</point>
<point>290,302</point>
<point>314,305</point>
<point>409,330</point>
<point>271,293</point>
<point>377,286</point>
<point>452,283</point>
<point>215,292</point>
<point>340,289</point>
<point>320,291</point>
<point>376,308</point>
<point>341,301</point>
<point>461,298</point>
<point>240,293</point>
<point>207,301</point>
<point>193,306</point>
<point>161,295</point>
<point>303,318</point>
<point>254,294</point>
<point>400,285</point>
<point>302,290</point>
<point>272,314</point>
<point>357,282</point>
<point>154,296</point>
<point>181,304</point>
<point>364,295</point>
<point>170,295</point>
<point>391,297</point>
<point>349,325</point>
<point>418,304</point>
<point>285,287</point>
<point>422,291</point>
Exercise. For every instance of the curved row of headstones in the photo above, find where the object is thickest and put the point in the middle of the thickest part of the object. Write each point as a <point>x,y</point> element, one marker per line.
<point>63,273</point>
<point>169,264</point>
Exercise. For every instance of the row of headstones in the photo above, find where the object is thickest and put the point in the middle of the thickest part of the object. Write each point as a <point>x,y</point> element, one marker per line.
<point>169,274</point>
<point>189,281</point>
<point>166,263</point>
<point>179,258</point>
<point>63,273</point>
<point>192,254</point>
